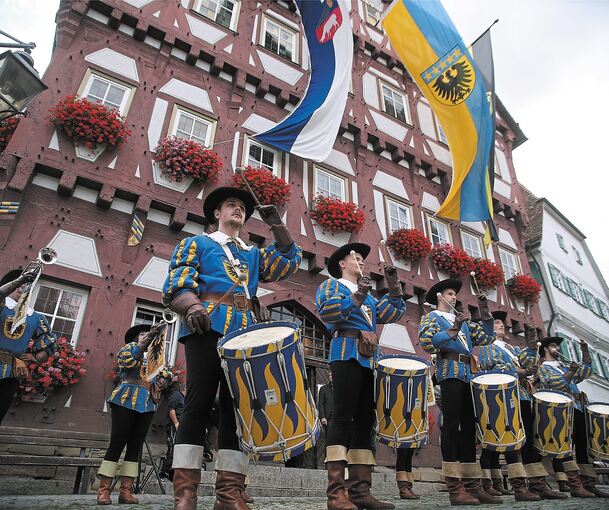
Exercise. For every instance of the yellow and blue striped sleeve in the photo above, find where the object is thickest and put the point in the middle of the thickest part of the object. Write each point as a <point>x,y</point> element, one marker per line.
<point>479,336</point>
<point>331,304</point>
<point>428,329</point>
<point>183,269</point>
<point>44,338</point>
<point>389,309</point>
<point>527,357</point>
<point>276,266</point>
<point>129,356</point>
<point>552,379</point>
<point>583,372</point>
<point>491,358</point>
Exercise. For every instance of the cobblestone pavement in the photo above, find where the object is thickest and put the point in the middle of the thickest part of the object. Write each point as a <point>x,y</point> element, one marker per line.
<point>151,502</point>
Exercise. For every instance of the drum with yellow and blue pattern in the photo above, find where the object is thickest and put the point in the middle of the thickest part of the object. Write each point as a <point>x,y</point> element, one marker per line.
<point>553,425</point>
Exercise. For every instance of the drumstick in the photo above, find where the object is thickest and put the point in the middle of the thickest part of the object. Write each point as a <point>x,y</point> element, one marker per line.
<point>473,275</point>
<point>386,254</point>
<point>352,253</point>
<point>240,171</point>
<point>537,357</point>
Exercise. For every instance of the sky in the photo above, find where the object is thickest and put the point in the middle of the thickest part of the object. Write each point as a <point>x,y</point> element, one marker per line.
<point>551,74</point>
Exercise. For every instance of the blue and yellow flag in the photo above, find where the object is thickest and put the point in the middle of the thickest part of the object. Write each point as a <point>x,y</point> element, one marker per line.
<point>430,47</point>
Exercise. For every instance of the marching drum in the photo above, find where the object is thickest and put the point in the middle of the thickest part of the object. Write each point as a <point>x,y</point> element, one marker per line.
<point>265,369</point>
<point>497,410</point>
<point>597,425</point>
<point>553,426</point>
<point>401,393</point>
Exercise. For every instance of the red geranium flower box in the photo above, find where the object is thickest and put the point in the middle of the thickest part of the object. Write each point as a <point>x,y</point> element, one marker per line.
<point>335,215</point>
<point>525,288</point>
<point>270,189</point>
<point>454,261</point>
<point>178,158</point>
<point>7,129</point>
<point>488,274</point>
<point>409,244</point>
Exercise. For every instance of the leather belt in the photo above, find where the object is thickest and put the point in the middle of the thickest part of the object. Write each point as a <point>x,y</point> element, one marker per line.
<point>6,357</point>
<point>351,333</point>
<point>455,356</point>
<point>237,300</point>
<point>137,382</point>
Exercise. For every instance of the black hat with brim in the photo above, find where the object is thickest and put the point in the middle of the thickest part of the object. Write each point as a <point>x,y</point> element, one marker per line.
<point>449,283</point>
<point>132,333</point>
<point>219,195</point>
<point>549,340</point>
<point>342,252</point>
<point>11,275</point>
<point>499,315</point>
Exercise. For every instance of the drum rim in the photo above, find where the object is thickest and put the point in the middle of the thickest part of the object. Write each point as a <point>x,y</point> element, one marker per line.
<point>491,372</point>
<point>596,403</point>
<point>253,327</point>
<point>544,390</point>
<point>408,356</point>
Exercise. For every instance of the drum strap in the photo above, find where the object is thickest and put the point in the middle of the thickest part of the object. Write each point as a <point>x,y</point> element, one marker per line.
<point>236,265</point>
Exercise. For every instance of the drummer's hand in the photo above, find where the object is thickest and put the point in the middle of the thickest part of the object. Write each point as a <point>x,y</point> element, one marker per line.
<point>28,276</point>
<point>324,421</point>
<point>521,372</point>
<point>573,367</point>
<point>583,345</point>
<point>460,318</point>
<point>532,370</point>
<point>197,319</point>
<point>530,335</point>
<point>364,285</point>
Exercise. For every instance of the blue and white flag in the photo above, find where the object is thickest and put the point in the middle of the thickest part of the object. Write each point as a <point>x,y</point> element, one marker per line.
<point>310,130</point>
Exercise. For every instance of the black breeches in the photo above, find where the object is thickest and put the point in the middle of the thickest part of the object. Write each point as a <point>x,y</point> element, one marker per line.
<point>8,388</point>
<point>530,454</point>
<point>353,395</point>
<point>129,428</point>
<point>403,461</point>
<point>490,459</point>
<point>203,375</point>
<point>458,428</point>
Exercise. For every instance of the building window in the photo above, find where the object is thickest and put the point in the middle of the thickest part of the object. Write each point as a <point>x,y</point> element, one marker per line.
<point>374,12</point>
<point>440,135</point>
<point>578,257</point>
<point>63,306</point>
<point>471,244</point>
<point>279,39</point>
<point>191,126</point>
<point>223,12</point>
<point>603,309</point>
<point>110,93</point>
<point>329,185</point>
<point>399,215</point>
<point>439,231</point>
<point>151,315</point>
<point>261,156</point>
<point>394,103</point>
<point>509,263</point>
<point>561,242</point>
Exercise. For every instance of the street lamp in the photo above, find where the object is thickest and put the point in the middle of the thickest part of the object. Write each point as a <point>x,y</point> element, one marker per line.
<point>19,81</point>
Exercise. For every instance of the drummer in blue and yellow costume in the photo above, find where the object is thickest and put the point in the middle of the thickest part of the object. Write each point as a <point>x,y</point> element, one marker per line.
<point>14,352</point>
<point>452,337</point>
<point>212,283</point>
<point>346,306</point>
<point>132,405</point>
<point>554,375</point>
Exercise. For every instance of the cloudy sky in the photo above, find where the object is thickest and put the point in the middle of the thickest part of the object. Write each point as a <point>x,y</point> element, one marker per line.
<point>551,74</point>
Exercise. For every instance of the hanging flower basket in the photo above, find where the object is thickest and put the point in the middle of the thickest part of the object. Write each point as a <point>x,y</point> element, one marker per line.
<point>7,129</point>
<point>87,123</point>
<point>454,261</point>
<point>63,368</point>
<point>410,244</point>
<point>524,288</point>
<point>488,274</point>
<point>337,216</point>
<point>179,158</point>
<point>270,189</point>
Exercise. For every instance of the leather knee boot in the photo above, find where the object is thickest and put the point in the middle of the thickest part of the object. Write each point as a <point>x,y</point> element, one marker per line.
<point>229,490</point>
<point>336,490</point>
<point>185,483</point>
<point>106,473</point>
<point>359,484</point>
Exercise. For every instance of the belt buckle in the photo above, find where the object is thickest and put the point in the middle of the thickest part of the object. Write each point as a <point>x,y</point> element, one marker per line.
<point>460,360</point>
<point>240,301</point>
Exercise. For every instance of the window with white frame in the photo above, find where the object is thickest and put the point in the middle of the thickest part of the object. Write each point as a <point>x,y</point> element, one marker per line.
<point>329,185</point>
<point>509,263</point>
<point>439,231</point>
<point>191,126</point>
<point>440,135</point>
<point>398,214</point>
<point>578,256</point>
<point>223,12</point>
<point>145,314</point>
<point>110,93</point>
<point>63,306</point>
<point>471,244</point>
<point>394,103</point>
<point>280,39</point>
<point>374,12</point>
<point>261,156</point>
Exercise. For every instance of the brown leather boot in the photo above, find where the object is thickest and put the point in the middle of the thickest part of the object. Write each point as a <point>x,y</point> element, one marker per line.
<point>359,484</point>
<point>589,483</point>
<point>336,491</point>
<point>474,487</point>
<point>539,486</point>
<point>246,497</point>
<point>575,486</point>
<point>185,483</point>
<point>105,488</point>
<point>229,487</point>
<point>497,477</point>
<point>521,490</point>
<point>487,485</point>
<point>406,492</point>
<point>125,495</point>
<point>457,494</point>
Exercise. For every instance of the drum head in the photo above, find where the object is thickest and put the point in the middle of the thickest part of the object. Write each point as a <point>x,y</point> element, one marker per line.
<point>599,408</point>
<point>555,398</point>
<point>259,337</point>
<point>494,379</point>
<point>402,363</point>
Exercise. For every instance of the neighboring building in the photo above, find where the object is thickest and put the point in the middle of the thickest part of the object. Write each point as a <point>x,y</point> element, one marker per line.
<point>575,299</point>
<point>219,72</point>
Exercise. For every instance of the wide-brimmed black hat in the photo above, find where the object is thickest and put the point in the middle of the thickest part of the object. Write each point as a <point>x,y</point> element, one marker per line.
<point>219,195</point>
<point>499,315</point>
<point>132,333</point>
<point>450,283</point>
<point>11,275</point>
<point>342,252</point>
<point>549,340</point>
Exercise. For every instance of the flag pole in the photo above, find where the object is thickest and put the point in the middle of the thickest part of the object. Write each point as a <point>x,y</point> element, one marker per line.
<point>490,26</point>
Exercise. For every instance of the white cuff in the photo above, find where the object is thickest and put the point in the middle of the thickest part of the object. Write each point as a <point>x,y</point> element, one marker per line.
<point>233,461</point>
<point>187,456</point>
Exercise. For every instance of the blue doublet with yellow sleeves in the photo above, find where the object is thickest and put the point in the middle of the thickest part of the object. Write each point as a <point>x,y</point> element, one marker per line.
<point>36,329</point>
<point>129,393</point>
<point>434,339</point>
<point>337,311</point>
<point>551,375</point>
<point>497,357</point>
<point>201,265</point>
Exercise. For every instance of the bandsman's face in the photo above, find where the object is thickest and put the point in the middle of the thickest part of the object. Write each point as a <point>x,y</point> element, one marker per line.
<point>451,296</point>
<point>352,264</point>
<point>499,327</point>
<point>231,212</point>
<point>553,349</point>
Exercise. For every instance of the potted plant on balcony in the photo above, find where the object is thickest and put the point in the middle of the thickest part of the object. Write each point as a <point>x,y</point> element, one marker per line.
<point>336,216</point>
<point>270,189</point>
<point>409,244</point>
<point>7,129</point>
<point>524,288</point>
<point>488,274</point>
<point>453,261</point>
<point>179,158</point>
